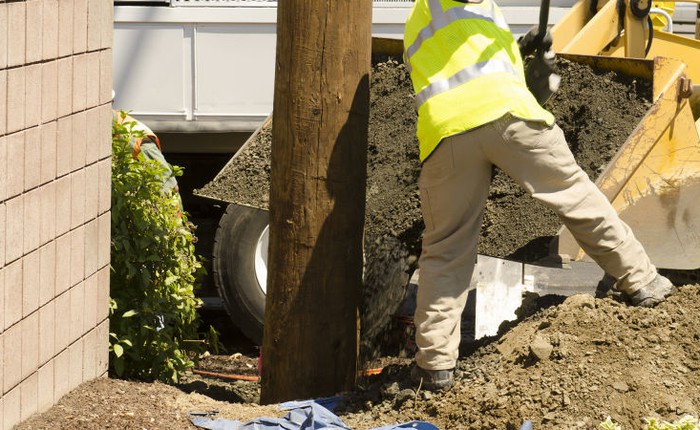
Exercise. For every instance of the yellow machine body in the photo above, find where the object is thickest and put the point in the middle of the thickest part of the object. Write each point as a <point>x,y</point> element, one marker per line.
<point>654,180</point>
<point>581,32</point>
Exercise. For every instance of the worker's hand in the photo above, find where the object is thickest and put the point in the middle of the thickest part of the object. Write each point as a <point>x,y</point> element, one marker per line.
<point>540,76</point>
<point>530,41</point>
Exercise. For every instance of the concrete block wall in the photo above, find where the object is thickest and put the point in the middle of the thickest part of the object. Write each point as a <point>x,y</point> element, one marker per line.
<point>55,168</point>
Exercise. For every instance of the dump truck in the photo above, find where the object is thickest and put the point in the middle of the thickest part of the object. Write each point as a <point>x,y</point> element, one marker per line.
<point>653,181</point>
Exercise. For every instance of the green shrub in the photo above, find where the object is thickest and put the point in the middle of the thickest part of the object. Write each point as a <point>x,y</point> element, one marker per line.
<point>154,268</point>
<point>686,423</point>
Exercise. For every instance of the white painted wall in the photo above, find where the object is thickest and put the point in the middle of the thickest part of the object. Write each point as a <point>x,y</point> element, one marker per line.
<point>204,68</point>
<point>208,65</point>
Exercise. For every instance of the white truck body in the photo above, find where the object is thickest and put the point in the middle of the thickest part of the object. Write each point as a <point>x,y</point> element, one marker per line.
<point>208,65</point>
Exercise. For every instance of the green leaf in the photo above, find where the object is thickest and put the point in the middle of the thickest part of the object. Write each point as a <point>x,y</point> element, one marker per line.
<point>118,350</point>
<point>119,366</point>
<point>129,313</point>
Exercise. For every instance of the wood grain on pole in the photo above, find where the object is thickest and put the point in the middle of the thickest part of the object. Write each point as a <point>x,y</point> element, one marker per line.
<point>317,198</point>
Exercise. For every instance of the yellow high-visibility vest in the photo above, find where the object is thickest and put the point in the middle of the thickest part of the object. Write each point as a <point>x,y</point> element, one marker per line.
<point>466,69</point>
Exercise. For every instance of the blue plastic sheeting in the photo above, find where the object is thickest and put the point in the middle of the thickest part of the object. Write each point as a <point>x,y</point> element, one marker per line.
<point>327,402</point>
<point>417,425</point>
<point>307,415</point>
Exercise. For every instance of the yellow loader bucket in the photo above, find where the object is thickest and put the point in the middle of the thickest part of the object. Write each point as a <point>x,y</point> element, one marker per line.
<point>654,180</point>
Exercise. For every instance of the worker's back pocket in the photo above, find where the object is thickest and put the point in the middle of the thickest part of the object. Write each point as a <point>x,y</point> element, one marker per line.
<point>527,135</point>
<point>439,166</point>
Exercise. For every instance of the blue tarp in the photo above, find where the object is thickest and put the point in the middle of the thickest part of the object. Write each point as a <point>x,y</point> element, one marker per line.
<point>306,415</point>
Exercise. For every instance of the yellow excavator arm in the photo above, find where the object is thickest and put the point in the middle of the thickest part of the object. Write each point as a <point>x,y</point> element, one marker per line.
<point>602,28</point>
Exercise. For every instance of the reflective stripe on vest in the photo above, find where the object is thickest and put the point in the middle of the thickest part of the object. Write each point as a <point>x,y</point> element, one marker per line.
<point>463,76</point>
<point>442,18</point>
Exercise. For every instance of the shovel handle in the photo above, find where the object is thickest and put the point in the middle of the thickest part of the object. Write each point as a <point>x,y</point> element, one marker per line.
<point>544,18</point>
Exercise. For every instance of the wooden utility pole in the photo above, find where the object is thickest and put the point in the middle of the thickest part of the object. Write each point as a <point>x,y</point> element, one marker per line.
<point>317,198</point>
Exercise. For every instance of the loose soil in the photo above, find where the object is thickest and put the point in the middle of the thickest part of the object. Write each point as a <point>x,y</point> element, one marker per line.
<point>567,366</point>
<point>562,364</point>
<point>596,109</point>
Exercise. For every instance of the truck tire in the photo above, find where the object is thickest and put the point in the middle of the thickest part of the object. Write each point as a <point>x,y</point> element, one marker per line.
<point>239,266</point>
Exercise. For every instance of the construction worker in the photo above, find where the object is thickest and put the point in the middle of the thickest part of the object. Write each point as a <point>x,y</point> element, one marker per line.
<point>149,146</point>
<point>475,111</point>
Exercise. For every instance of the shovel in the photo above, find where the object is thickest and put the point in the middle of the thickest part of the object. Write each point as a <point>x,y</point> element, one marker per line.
<point>539,77</point>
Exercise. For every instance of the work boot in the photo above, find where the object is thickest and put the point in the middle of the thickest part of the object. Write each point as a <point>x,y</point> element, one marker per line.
<point>432,380</point>
<point>652,293</point>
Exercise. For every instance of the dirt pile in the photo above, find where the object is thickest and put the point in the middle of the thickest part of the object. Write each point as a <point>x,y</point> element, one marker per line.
<point>115,404</point>
<point>596,110</point>
<point>567,366</point>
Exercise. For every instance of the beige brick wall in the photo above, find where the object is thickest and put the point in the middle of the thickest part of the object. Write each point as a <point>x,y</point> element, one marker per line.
<point>55,113</point>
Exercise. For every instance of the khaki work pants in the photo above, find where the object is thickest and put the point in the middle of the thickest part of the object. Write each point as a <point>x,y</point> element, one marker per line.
<point>454,186</point>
